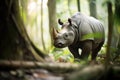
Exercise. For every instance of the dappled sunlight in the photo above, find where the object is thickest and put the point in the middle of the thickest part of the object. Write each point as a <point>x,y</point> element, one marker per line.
<point>32,7</point>
<point>33,25</point>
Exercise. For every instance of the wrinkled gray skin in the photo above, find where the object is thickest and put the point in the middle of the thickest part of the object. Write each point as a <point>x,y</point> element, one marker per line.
<point>74,35</point>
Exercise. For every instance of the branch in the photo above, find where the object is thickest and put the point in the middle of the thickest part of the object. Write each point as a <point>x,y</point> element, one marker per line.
<point>74,71</point>
<point>30,64</point>
<point>96,72</point>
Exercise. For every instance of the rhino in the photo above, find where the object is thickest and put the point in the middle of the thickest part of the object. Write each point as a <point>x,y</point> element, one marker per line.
<point>80,32</point>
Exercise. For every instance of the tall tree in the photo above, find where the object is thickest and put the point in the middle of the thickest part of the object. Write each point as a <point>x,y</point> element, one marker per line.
<point>42,38</point>
<point>15,43</point>
<point>92,7</point>
<point>52,16</point>
<point>24,4</point>
<point>117,26</point>
<point>69,1</point>
<point>78,5</point>
<point>110,30</point>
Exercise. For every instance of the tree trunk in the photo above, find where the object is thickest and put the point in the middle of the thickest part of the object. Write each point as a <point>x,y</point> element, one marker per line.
<point>92,7</point>
<point>15,43</point>
<point>110,30</point>
<point>69,1</point>
<point>42,38</point>
<point>52,16</point>
<point>78,5</point>
<point>117,26</point>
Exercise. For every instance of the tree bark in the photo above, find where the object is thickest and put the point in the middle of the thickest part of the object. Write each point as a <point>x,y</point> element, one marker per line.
<point>110,30</point>
<point>15,43</point>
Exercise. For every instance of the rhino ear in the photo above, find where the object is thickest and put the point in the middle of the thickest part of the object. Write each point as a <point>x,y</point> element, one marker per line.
<point>60,22</point>
<point>70,21</point>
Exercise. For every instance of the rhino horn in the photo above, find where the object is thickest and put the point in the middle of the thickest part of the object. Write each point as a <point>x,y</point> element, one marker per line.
<point>55,32</point>
<point>69,20</point>
<point>60,22</point>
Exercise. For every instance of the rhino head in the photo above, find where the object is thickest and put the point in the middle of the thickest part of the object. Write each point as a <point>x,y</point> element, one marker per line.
<point>65,36</point>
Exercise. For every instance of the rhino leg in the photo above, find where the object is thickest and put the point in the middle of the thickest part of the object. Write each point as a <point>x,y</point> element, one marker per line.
<point>75,52</point>
<point>86,49</point>
<point>96,50</point>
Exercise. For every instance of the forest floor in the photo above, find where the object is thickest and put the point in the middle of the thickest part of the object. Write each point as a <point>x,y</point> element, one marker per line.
<point>29,74</point>
<point>53,72</point>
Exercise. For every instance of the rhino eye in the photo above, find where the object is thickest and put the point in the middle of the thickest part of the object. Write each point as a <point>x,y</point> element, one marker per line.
<point>66,36</point>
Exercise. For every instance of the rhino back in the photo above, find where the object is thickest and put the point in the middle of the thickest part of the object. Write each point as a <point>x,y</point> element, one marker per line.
<point>89,27</point>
